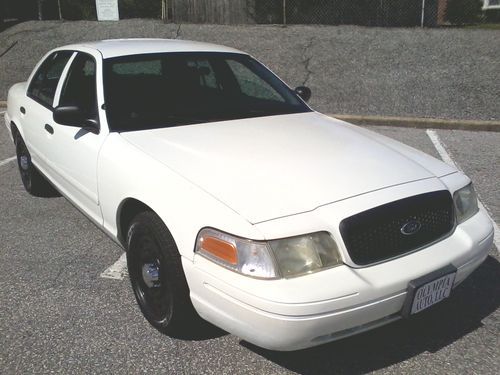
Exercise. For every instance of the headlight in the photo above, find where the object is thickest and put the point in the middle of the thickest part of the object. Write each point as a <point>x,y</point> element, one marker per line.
<point>465,203</point>
<point>248,257</point>
<point>305,254</point>
<point>269,259</point>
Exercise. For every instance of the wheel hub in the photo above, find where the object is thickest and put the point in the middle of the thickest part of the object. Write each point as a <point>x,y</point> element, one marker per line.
<point>151,275</point>
<point>23,161</point>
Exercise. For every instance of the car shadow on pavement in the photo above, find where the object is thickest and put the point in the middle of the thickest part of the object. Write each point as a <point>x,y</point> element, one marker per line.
<point>199,330</point>
<point>472,301</point>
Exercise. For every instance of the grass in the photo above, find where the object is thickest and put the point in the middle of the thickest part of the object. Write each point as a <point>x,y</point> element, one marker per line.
<point>489,26</point>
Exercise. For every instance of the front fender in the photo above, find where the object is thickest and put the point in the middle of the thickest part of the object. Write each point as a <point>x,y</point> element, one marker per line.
<point>126,172</point>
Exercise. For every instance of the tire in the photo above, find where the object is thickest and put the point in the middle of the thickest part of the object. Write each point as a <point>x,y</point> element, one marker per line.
<point>32,179</point>
<point>157,277</point>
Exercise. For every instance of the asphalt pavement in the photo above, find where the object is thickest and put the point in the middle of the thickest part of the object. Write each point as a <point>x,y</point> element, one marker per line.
<point>440,73</point>
<point>59,316</point>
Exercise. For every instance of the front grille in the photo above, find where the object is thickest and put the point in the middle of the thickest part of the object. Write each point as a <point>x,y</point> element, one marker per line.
<point>377,234</point>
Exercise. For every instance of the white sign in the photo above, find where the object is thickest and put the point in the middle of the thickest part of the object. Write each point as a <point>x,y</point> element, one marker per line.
<point>107,10</point>
<point>491,4</point>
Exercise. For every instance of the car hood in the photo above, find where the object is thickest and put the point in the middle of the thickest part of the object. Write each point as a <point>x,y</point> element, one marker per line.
<point>269,167</point>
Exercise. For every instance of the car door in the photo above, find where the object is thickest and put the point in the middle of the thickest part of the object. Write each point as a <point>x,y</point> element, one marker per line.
<point>74,150</point>
<point>36,109</point>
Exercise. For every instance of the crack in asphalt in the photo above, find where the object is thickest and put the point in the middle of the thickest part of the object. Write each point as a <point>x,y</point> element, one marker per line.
<point>307,60</point>
<point>8,49</point>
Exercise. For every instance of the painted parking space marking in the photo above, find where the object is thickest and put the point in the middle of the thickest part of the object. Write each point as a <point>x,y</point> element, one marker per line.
<point>440,148</point>
<point>118,271</point>
<point>7,161</point>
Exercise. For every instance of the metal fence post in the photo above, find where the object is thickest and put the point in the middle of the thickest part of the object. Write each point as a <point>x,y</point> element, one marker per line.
<point>164,10</point>
<point>423,14</point>
<point>284,12</point>
<point>59,9</point>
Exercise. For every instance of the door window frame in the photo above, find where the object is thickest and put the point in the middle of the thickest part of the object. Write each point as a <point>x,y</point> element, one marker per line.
<point>37,69</point>
<point>63,83</point>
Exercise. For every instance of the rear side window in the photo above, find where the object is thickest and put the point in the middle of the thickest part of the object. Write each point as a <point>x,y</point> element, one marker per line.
<point>44,83</point>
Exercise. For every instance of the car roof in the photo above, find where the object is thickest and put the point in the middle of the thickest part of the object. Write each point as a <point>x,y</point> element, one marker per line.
<point>123,47</point>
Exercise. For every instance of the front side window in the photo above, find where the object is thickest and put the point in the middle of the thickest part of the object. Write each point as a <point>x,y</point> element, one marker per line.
<point>44,83</point>
<point>173,89</point>
<point>80,86</point>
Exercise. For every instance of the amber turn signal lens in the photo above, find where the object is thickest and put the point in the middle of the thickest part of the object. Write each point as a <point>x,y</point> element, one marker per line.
<point>220,249</point>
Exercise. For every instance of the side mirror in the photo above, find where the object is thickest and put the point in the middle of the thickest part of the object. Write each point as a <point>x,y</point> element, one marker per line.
<point>304,92</point>
<point>69,116</point>
<point>74,116</point>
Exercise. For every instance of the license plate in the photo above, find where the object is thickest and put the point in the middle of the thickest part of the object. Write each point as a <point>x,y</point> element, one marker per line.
<point>429,290</point>
<point>432,293</point>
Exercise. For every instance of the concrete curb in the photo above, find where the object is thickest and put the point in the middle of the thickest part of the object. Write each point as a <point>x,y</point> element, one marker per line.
<point>406,122</point>
<point>421,123</point>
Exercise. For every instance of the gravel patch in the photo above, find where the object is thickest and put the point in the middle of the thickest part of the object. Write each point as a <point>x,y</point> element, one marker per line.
<point>443,73</point>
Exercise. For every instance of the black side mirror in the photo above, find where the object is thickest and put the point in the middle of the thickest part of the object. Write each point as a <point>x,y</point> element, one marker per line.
<point>69,116</point>
<point>304,92</point>
<point>74,116</point>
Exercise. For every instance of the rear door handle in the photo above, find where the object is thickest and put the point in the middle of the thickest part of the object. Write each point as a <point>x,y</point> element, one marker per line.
<point>49,129</point>
<point>23,110</point>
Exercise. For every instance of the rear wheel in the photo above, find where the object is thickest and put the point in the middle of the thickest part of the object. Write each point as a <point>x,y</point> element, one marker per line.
<point>157,277</point>
<point>33,181</point>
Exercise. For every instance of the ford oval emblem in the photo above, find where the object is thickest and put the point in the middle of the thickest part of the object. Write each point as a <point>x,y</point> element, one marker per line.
<point>411,227</point>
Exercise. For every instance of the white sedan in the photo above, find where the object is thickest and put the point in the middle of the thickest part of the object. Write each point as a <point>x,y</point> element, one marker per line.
<point>237,202</point>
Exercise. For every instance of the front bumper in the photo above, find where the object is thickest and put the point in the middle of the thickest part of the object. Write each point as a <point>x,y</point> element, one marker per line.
<point>293,314</point>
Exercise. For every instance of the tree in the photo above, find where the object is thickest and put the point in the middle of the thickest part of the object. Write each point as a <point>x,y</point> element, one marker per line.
<point>460,12</point>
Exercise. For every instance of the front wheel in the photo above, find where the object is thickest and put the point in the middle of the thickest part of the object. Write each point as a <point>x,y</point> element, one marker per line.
<point>157,276</point>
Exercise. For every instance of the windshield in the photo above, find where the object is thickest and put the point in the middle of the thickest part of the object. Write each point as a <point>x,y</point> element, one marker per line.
<point>172,89</point>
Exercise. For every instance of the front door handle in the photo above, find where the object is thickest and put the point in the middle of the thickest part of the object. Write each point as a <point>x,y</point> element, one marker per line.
<point>49,129</point>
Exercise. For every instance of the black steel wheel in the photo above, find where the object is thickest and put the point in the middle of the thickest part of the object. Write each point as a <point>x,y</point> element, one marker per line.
<point>157,276</point>
<point>33,181</point>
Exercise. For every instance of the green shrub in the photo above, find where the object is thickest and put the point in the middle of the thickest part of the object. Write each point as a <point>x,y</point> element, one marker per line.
<point>460,12</point>
<point>78,9</point>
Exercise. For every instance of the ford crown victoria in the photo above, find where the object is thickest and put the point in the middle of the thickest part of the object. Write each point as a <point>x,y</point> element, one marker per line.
<point>237,202</point>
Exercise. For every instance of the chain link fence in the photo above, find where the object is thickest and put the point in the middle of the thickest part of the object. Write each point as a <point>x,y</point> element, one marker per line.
<point>337,12</point>
<point>402,13</point>
<point>428,13</point>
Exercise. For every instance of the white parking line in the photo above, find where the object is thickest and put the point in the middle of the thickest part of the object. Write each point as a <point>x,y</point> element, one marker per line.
<point>436,141</point>
<point>118,271</point>
<point>7,161</point>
